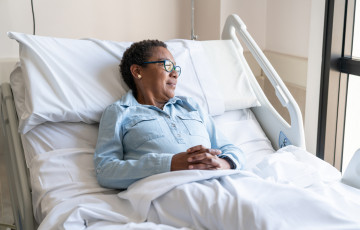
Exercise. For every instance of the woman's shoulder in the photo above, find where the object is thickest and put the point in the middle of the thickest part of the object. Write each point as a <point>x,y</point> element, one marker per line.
<point>114,106</point>
<point>125,101</point>
<point>115,109</point>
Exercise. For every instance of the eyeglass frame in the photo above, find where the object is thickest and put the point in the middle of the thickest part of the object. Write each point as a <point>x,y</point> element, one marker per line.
<point>163,61</point>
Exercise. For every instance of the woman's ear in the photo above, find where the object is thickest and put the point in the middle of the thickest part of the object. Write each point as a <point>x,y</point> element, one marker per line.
<point>136,71</point>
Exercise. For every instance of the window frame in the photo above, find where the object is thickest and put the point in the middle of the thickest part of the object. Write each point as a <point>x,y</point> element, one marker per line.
<point>337,64</point>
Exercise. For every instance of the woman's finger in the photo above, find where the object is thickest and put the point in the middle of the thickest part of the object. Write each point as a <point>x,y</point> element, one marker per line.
<point>207,158</point>
<point>201,149</point>
<point>200,157</point>
<point>197,157</point>
<point>195,148</point>
<point>214,152</point>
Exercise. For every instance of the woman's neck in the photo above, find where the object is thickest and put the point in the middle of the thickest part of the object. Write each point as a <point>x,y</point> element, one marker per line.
<point>150,100</point>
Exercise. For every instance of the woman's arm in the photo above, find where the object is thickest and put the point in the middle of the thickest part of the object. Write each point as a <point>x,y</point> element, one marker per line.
<point>112,170</point>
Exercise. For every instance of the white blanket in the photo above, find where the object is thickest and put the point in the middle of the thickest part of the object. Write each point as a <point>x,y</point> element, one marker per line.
<point>290,189</point>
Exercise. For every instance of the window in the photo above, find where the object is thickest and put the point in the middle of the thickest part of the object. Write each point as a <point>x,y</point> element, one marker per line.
<point>339,125</point>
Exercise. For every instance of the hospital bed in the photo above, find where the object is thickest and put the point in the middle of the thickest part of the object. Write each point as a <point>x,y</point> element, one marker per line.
<point>50,114</point>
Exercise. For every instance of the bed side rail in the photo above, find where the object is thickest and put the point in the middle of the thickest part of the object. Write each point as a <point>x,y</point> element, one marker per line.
<point>18,175</point>
<point>275,127</point>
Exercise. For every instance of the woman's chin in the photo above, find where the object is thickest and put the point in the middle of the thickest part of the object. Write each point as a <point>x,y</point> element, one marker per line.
<point>171,93</point>
<point>171,89</point>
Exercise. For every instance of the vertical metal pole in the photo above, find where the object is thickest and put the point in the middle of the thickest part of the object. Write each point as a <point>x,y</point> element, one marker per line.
<point>193,36</point>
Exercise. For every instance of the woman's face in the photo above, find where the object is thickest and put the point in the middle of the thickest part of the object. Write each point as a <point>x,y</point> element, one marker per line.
<point>156,83</point>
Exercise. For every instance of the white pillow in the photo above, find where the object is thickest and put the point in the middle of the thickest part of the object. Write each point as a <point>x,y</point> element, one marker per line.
<point>75,80</point>
<point>66,80</point>
<point>228,67</point>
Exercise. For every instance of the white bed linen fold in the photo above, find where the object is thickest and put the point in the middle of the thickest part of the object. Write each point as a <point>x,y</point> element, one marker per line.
<point>51,136</point>
<point>273,198</point>
<point>243,201</point>
<point>66,194</point>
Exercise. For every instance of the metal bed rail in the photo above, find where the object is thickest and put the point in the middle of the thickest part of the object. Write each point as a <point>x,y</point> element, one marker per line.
<point>273,124</point>
<point>18,173</point>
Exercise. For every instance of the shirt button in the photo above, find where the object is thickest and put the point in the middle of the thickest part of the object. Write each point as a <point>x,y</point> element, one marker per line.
<point>173,125</point>
<point>178,135</point>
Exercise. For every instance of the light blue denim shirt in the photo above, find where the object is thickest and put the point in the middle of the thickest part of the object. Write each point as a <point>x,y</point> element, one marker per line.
<point>136,141</point>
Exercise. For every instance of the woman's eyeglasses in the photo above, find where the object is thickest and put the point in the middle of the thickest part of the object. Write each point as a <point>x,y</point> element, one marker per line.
<point>168,66</point>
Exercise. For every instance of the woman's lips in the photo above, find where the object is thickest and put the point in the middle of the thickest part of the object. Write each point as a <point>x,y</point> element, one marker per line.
<point>173,84</point>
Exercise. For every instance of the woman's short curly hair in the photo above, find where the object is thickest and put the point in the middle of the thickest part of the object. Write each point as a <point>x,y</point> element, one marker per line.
<point>137,53</point>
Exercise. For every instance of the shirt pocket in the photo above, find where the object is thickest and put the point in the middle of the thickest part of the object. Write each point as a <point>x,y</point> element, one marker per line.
<point>194,124</point>
<point>142,129</point>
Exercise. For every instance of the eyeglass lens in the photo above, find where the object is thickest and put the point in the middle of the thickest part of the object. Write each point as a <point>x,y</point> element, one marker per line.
<point>169,66</point>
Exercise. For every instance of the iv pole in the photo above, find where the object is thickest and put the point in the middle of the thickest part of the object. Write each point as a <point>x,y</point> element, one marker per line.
<point>193,36</point>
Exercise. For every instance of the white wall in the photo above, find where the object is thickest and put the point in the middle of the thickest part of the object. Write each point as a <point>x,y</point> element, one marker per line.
<point>280,26</point>
<point>207,19</point>
<point>287,27</point>
<point>276,25</point>
<point>16,16</point>
<point>253,13</point>
<point>116,19</point>
<point>120,20</point>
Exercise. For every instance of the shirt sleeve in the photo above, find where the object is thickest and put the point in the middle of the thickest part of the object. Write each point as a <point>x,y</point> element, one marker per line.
<point>218,141</point>
<point>112,171</point>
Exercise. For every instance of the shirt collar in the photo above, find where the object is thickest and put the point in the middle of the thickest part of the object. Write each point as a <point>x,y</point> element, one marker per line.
<point>129,100</point>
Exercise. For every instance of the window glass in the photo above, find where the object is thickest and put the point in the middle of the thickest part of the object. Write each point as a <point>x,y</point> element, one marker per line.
<point>356,42</point>
<point>352,121</point>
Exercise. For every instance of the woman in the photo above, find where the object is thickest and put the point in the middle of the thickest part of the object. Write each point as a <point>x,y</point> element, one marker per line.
<point>150,131</point>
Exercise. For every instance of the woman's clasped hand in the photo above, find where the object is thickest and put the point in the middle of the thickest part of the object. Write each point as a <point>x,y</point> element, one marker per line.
<point>199,157</point>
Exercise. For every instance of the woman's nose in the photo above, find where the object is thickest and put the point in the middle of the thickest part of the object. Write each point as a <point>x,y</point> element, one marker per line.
<point>174,74</point>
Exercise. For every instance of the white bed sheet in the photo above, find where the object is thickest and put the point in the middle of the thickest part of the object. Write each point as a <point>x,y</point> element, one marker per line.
<point>66,194</point>
<point>290,183</point>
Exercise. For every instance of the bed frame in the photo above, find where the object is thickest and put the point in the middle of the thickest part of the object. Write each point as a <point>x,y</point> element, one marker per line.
<point>275,127</point>
<point>18,173</point>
